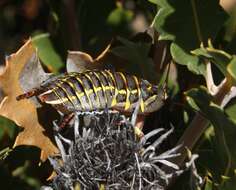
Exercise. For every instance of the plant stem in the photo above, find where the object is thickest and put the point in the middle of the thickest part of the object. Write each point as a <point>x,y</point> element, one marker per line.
<point>191,136</point>
<point>198,125</point>
<point>196,21</point>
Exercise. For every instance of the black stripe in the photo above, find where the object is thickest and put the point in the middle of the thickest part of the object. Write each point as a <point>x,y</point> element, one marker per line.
<point>89,85</point>
<point>119,81</point>
<point>66,93</point>
<point>131,85</point>
<point>59,93</point>
<point>111,92</point>
<point>70,82</point>
<point>79,87</point>
<point>101,93</point>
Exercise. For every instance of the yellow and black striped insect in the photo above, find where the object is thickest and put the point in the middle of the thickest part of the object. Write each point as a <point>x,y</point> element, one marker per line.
<point>98,90</point>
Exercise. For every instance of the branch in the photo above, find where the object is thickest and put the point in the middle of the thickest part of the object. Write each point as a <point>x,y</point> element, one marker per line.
<point>228,97</point>
<point>199,123</point>
<point>222,94</point>
<point>212,88</point>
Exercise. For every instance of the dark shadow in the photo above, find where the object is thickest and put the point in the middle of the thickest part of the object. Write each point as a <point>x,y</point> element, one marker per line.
<point>22,162</point>
<point>46,115</point>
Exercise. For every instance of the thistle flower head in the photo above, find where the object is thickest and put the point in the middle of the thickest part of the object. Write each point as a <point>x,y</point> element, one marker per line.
<point>105,153</point>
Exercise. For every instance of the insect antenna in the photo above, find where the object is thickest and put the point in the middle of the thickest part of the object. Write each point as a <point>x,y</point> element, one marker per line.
<point>29,94</point>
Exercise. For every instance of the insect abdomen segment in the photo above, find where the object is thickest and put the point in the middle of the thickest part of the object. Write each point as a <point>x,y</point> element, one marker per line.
<point>97,90</point>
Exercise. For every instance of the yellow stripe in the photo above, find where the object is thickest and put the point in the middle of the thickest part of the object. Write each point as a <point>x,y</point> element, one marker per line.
<point>85,91</point>
<point>109,86</point>
<point>58,96</point>
<point>127,102</point>
<point>103,88</point>
<point>78,95</point>
<point>58,101</point>
<point>149,88</point>
<point>135,91</point>
<point>150,100</point>
<point>62,100</point>
<point>97,89</point>
<point>139,93</point>
<point>114,101</point>
<point>90,91</point>
<point>122,91</point>
<point>94,88</point>
<point>67,94</point>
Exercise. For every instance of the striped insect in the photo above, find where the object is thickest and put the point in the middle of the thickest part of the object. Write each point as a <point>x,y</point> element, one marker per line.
<point>97,90</point>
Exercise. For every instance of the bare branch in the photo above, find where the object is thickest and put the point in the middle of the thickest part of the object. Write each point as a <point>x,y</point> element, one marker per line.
<point>212,88</point>
<point>229,96</point>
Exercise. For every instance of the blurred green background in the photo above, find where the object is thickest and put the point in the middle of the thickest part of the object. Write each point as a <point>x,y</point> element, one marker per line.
<point>56,27</point>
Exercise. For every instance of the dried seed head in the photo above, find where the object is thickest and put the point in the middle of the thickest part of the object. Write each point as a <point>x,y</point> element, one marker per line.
<point>105,152</point>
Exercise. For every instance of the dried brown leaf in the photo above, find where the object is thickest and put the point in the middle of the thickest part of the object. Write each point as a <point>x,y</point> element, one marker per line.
<point>23,112</point>
<point>78,61</point>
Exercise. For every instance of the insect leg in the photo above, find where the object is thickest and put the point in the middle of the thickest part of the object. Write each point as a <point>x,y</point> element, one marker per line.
<point>66,119</point>
<point>135,113</point>
<point>138,120</point>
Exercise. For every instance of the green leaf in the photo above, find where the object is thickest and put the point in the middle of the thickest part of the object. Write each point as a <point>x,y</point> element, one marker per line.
<point>229,183</point>
<point>224,127</point>
<point>192,62</point>
<point>219,57</point>
<point>153,1</point>
<point>210,157</point>
<point>119,16</point>
<point>192,103</point>
<point>165,10</point>
<point>231,68</point>
<point>230,26</point>
<point>231,110</point>
<point>188,23</point>
<point>136,54</point>
<point>7,127</point>
<point>4,153</point>
<point>208,185</point>
<point>47,53</point>
<point>224,61</point>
